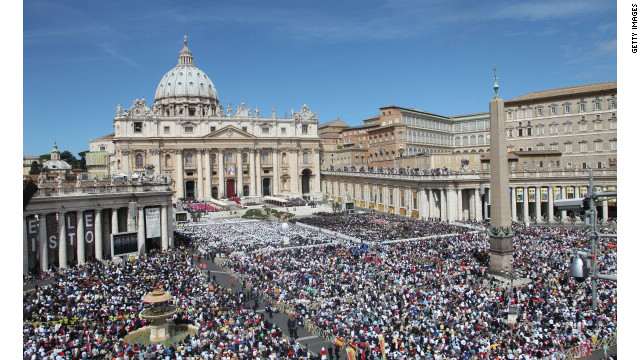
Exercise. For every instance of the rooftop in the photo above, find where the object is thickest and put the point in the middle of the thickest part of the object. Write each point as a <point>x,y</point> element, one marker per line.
<point>568,91</point>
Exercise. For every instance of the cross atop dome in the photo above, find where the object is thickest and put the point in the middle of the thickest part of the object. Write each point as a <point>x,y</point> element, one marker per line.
<point>185,57</point>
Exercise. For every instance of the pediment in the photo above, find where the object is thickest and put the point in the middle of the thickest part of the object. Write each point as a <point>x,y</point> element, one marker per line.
<point>229,132</point>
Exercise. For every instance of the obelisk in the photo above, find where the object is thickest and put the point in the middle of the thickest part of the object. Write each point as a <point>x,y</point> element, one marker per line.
<point>500,230</point>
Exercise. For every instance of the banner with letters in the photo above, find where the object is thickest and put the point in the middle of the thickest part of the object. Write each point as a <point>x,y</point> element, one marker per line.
<point>532,195</point>
<point>52,238</point>
<point>570,192</point>
<point>519,195</point>
<point>557,193</point>
<point>544,194</point>
<point>583,191</point>
<point>72,236</point>
<point>613,201</point>
<point>89,234</point>
<point>32,241</point>
<point>152,222</point>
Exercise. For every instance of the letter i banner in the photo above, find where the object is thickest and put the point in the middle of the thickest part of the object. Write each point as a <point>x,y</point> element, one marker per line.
<point>351,353</point>
<point>382,347</point>
<point>52,238</point>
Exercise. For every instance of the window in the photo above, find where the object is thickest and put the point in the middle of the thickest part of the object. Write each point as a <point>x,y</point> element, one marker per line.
<point>103,148</point>
<point>567,127</point>
<point>582,107</point>
<point>139,161</point>
<point>540,130</point>
<point>585,166</point>
<point>265,130</point>
<point>539,112</point>
<point>188,129</point>
<point>520,114</point>
<point>598,144</point>
<point>265,157</point>
<point>305,129</point>
<point>245,158</point>
<point>613,124</point>
<point>244,128</point>
<point>599,165</point>
<point>583,126</point>
<point>529,131</point>
<point>612,104</point>
<point>283,130</point>
<point>228,157</point>
<point>213,158</point>
<point>212,129</point>
<point>613,144</point>
<point>568,148</point>
<point>189,159</point>
<point>583,146</point>
<point>305,158</point>
<point>166,129</point>
<point>554,146</point>
<point>540,146</point>
<point>528,113</point>
<point>596,105</point>
<point>567,109</point>
<point>137,127</point>
<point>597,125</point>
<point>509,115</point>
<point>552,110</point>
<point>167,160</point>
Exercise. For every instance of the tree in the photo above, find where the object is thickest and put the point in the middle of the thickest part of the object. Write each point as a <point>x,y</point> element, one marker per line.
<point>34,169</point>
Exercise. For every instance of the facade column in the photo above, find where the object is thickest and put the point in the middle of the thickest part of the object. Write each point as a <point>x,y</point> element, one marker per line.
<point>180,174</point>
<point>221,185</point>
<point>114,220</point>
<point>276,173</point>
<point>316,172</point>
<point>538,206</point>
<point>140,228</point>
<point>550,205</point>
<point>514,205</point>
<point>25,246</point>
<point>98,230</point>
<point>525,205</point>
<point>295,176</point>
<point>432,205</point>
<point>396,199</point>
<point>207,169</point>
<point>155,158</point>
<point>165,226</point>
<point>252,172</point>
<point>563,196</point>
<point>80,237</point>
<point>472,204</point>
<point>239,183</point>
<point>42,243</point>
<point>478,205</point>
<point>125,160</point>
<point>200,188</point>
<point>258,154</point>
<point>460,215</point>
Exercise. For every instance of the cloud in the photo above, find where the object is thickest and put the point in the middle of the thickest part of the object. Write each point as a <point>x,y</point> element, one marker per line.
<point>109,49</point>
<point>547,10</point>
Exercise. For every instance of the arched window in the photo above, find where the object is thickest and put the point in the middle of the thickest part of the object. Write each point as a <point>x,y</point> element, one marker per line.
<point>480,139</point>
<point>457,140</point>
<point>188,159</point>
<point>284,158</point>
<point>167,160</point>
<point>228,157</point>
<point>139,161</point>
<point>305,158</point>
<point>213,158</point>
<point>472,140</point>
<point>245,158</point>
<point>465,140</point>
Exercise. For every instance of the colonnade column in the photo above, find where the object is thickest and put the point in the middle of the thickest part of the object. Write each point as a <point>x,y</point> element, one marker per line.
<point>239,184</point>
<point>200,189</point>
<point>221,186</point>
<point>538,206</point>
<point>514,205</point>
<point>165,227</point>
<point>563,195</point>
<point>550,205</point>
<point>443,205</point>
<point>140,228</point>
<point>451,204</point>
<point>114,220</point>
<point>276,173</point>
<point>525,205</point>
<point>460,209</point>
<point>605,210</point>
<point>252,172</point>
<point>207,169</point>
<point>42,243</point>
<point>478,206</point>
<point>80,237</point>
<point>98,230</point>
<point>180,174</point>
<point>432,205</point>
<point>25,246</point>
<point>258,153</point>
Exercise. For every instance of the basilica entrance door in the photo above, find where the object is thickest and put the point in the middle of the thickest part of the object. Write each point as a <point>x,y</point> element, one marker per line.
<point>231,188</point>
<point>266,186</point>
<point>190,189</point>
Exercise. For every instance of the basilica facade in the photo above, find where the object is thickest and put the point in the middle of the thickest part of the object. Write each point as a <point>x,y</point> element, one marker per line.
<point>211,151</point>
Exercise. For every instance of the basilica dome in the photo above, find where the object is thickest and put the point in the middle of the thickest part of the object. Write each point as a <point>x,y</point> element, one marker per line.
<point>186,80</point>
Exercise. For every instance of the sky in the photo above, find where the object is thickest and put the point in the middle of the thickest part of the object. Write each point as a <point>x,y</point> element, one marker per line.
<point>343,59</point>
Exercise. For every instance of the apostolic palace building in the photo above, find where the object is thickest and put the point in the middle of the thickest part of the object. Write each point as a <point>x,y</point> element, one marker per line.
<point>404,161</point>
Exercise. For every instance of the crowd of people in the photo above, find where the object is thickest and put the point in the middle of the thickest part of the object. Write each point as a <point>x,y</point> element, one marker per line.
<point>432,299</point>
<point>249,235</point>
<point>376,227</point>
<point>90,308</point>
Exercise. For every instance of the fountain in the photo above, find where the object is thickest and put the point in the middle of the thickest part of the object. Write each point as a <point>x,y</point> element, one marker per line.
<point>159,331</point>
